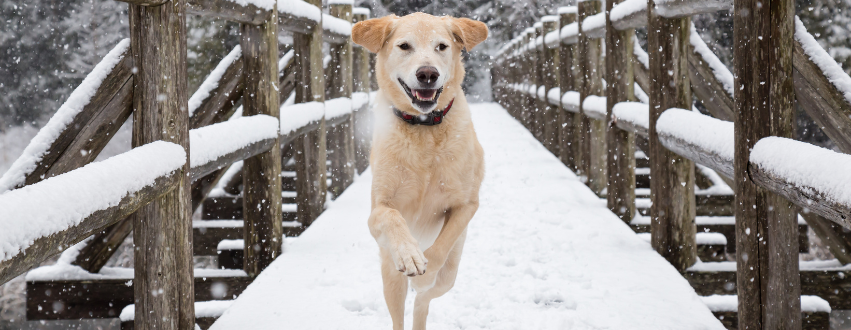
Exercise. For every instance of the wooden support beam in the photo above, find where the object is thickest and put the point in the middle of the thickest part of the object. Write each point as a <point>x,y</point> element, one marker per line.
<point>163,228</point>
<point>620,187</point>
<point>341,138</point>
<point>592,134</point>
<point>221,104</point>
<point>766,253</point>
<point>261,174</point>
<point>568,136</point>
<point>310,148</point>
<point>105,298</point>
<point>837,239</point>
<point>362,120</point>
<point>707,88</point>
<point>672,188</point>
<point>821,100</point>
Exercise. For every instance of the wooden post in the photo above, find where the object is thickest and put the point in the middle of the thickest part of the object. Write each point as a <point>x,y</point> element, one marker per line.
<point>530,71</point>
<point>567,15</point>
<point>363,124</point>
<point>621,144</point>
<point>310,152</point>
<point>672,214</point>
<point>592,132</point>
<point>261,174</point>
<point>341,137</point>
<point>538,78</point>
<point>766,245</point>
<point>551,77</point>
<point>163,277</point>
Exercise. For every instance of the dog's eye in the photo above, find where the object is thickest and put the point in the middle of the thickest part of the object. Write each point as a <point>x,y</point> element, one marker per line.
<point>442,47</point>
<point>404,46</point>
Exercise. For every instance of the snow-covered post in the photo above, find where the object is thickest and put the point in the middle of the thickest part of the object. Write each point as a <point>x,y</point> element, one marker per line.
<point>529,74</point>
<point>672,213</point>
<point>341,137</point>
<point>550,77</point>
<point>538,78</point>
<point>310,152</point>
<point>360,68</point>
<point>620,187</point>
<point>567,153</point>
<point>163,283</point>
<point>592,132</point>
<point>261,179</point>
<point>767,272</point>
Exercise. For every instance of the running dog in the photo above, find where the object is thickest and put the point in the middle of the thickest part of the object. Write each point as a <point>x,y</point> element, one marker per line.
<point>426,162</point>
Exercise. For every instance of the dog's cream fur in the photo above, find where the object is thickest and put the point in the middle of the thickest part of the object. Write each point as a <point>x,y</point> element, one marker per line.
<point>426,179</point>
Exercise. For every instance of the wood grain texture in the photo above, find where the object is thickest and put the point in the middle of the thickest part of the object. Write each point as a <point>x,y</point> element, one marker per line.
<point>261,174</point>
<point>672,188</point>
<point>310,148</point>
<point>592,132</point>
<point>620,184</point>
<point>341,138</point>
<point>47,246</point>
<point>162,229</point>
<point>568,136</point>
<point>229,11</point>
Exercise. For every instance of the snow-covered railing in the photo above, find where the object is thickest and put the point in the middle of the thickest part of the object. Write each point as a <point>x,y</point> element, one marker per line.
<point>594,107</point>
<point>703,139</point>
<point>215,146</point>
<point>42,219</point>
<point>594,26</point>
<point>570,101</point>
<point>632,117</point>
<point>710,79</point>
<point>629,14</point>
<point>687,8</point>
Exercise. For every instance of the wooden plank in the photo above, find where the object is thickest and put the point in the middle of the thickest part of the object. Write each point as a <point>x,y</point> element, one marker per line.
<point>642,78</point>
<point>163,228</point>
<point>207,237</point>
<point>229,10</point>
<point>809,320</point>
<point>592,139</point>
<point>261,174</point>
<point>221,104</point>
<point>764,221</point>
<point>568,137</point>
<point>255,149</point>
<point>341,137</point>
<point>821,100</point>
<point>707,88</point>
<point>91,129</point>
<point>47,246</point>
<point>105,298</point>
<point>620,183</point>
<point>310,149</point>
<point>672,187</point>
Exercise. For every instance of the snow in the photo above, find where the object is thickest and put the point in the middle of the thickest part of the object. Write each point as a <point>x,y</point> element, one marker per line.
<point>549,18</point>
<point>553,96</point>
<point>699,238</point>
<point>68,272</point>
<point>208,143</point>
<point>231,244</point>
<point>336,25</point>
<point>538,25</point>
<point>595,107</point>
<point>806,166</point>
<point>570,33</point>
<point>213,308</point>
<point>359,99</point>
<point>341,2</point>
<point>264,4</point>
<point>361,11</point>
<point>626,8</point>
<point>562,267</point>
<point>722,74</point>
<point>711,134</point>
<point>338,107</point>
<point>730,303</point>
<point>79,98</point>
<point>640,54</point>
<point>285,60</point>
<point>300,8</point>
<point>831,70</point>
<point>719,187</point>
<point>567,10</point>
<point>212,81</point>
<point>552,39</point>
<point>542,92</point>
<point>539,41</point>
<point>299,115</point>
<point>594,22</point>
<point>637,114</point>
<point>570,101</point>
<point>73,196</point>
<point>640,94</point>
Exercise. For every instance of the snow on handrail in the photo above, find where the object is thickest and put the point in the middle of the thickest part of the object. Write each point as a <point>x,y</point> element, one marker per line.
<point>203,309</point>
<point>211,142</point>
<point>338,107</point>
<point>686,8</point>
<point>722,74</point>
<point>212,81</point>
<point>632,117</point>
<point>703,139</point>
<point>554,96</point>
<point>299,8</point>
<point>829,68</point>
<point>87,198</point>
<point>594,26</point>
<point>730,303</point>
<point>570,33</point>
<point>79,98</point>
<point>570,101</point>
<point>629,14</point>
<point>300,115</point>
<point>336,25</point>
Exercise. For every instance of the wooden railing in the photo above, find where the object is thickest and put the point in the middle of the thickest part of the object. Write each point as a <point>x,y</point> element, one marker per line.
<point>550,77</point>
<point>54,197</point>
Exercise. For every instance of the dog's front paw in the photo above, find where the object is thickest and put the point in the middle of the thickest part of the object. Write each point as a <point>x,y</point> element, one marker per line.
<point>409,259</point>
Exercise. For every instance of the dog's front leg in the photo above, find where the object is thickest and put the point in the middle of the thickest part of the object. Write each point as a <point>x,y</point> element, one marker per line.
<point>456,223</point>
<point>390,230</point>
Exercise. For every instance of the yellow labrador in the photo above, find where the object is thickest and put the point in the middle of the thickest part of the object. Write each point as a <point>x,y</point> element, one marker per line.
<point>426,162</point>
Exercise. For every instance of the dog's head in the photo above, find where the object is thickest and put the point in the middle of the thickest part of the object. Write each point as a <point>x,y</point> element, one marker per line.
<point>419,56</point>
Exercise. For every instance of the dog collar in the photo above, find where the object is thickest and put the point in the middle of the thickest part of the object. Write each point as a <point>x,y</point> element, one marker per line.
<point>431,119</point>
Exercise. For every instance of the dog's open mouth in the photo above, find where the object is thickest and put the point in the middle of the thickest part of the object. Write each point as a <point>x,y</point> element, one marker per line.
<point>424,99</point>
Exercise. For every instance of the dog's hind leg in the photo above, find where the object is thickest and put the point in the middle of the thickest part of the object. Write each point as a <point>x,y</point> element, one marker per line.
<point>395,290</point>
<point>429,287</point>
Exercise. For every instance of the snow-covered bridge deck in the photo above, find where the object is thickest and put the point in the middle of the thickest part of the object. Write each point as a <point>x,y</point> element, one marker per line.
<point>543,252</point>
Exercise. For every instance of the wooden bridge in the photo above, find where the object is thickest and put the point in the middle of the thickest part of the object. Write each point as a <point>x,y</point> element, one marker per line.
<point>725,198</point>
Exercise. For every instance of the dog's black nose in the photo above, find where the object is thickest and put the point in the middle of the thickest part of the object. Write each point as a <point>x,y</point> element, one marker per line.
<point>427,74</point>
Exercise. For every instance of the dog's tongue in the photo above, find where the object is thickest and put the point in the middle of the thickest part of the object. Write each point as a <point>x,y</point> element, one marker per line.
<point>425,94</point>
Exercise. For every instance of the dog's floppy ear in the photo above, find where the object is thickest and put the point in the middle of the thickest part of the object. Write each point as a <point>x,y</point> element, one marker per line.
<point>470,32</point>
<point>372,33</point>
